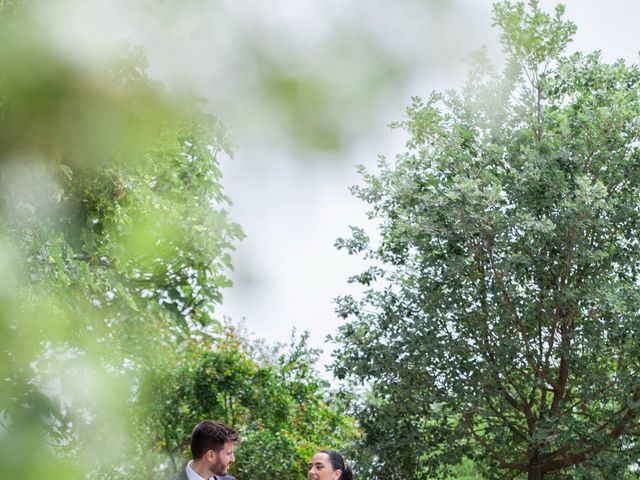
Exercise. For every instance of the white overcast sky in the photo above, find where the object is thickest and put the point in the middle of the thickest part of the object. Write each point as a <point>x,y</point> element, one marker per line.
<point>307,88</point>
<point>287,271</point>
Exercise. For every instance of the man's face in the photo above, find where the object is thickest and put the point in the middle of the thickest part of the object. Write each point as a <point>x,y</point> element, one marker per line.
<point>222,459</point>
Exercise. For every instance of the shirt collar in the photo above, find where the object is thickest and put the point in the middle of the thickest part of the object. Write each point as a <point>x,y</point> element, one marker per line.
<point>192,475</point>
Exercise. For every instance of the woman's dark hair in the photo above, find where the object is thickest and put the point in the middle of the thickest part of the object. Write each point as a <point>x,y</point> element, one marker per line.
<point>338,463</point>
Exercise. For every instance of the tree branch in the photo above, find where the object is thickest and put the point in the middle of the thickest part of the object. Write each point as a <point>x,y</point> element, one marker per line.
<point>614,434</point>
<point>489,448</point>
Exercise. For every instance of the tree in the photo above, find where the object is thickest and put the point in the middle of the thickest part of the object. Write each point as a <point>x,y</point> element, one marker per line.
<point>275,400</point>
<point>499,318</point>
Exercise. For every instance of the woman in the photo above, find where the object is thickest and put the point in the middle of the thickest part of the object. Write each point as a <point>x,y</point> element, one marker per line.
<point>328,465</point>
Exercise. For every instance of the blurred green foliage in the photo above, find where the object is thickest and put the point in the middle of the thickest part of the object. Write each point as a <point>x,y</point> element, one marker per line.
<point>112,214</point>
<point>114,250</point>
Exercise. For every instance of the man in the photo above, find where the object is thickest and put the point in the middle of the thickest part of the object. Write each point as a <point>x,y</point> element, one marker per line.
<point>212,446</point>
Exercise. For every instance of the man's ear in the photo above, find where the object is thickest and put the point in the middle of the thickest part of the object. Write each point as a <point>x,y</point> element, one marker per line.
<point>211,456</point>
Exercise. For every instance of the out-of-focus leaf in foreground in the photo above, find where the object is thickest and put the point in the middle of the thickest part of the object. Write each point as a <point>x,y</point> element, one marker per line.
<point>114,245</point>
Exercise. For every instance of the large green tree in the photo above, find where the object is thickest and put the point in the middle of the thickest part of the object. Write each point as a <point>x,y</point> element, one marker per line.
<point>499,318</point>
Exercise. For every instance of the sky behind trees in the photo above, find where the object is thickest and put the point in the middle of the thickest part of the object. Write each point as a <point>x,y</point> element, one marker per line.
<point>306,90</point>
<point>295,205</point>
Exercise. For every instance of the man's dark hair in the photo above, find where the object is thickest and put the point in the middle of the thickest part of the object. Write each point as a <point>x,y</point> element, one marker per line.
<point>210,435</point>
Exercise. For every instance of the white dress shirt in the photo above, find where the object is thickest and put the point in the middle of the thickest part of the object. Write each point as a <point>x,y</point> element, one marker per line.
<point>191,475</point>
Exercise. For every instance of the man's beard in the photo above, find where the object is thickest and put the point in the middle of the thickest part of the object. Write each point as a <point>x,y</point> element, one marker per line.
<point>218,468</point>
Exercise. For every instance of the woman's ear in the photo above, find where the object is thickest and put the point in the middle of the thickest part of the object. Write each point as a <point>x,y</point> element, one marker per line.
<point>337,474</point>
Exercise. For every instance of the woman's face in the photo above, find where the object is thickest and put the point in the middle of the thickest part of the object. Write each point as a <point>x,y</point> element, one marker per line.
<point>320,468</point>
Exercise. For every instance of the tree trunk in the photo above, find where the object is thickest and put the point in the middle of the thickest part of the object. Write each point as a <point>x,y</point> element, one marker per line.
<point>534,471</point>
